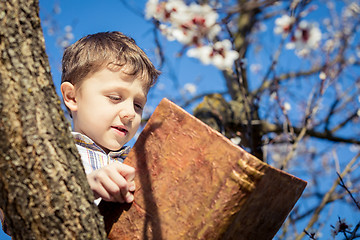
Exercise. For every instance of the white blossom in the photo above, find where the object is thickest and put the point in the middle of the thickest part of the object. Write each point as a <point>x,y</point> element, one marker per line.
<point>236,140</point>
<point>352,10</point>
<point>322,75</point>
<point>69,36</point>
<point>213,31</point>
<point>174,11</point>
<point>355,148</point>
<point>57,9</point>
<point>164,11</point>
<point>306,37</point>
<point>260,27</point>
<point>205,14</point>
<point>65,40</point>
<point>255,68</point>
<point>151,8</point>
<point>186,24</point>
<point>273,96</point>
<point>64,43</point>
<point>193,25</point>
<point>341,226</point>
<point>287,106</point>
<point>203,53</point>
<point>330,45</point>
<point>173,34</point>
<point>68,28</point>
<point>220,54</point>
<point>283,24</point>
<point>351,60</point>
<point>190,88</point>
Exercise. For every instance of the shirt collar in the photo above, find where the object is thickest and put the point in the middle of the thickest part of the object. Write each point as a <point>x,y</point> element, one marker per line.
<point>86,142</point>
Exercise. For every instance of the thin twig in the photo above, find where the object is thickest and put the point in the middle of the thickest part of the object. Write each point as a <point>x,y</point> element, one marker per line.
<point>342,184</point>
<point>311,235</point>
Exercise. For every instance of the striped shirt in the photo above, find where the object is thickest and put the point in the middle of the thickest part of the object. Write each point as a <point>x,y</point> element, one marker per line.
<point>94,157</point>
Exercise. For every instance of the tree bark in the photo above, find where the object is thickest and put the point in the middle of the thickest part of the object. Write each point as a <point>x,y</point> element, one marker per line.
<point>43,187</point>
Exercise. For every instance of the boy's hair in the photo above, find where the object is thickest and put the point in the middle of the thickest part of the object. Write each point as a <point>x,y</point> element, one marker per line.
<point>94,52</point>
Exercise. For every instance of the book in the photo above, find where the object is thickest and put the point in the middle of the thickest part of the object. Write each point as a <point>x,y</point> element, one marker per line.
<point>194,183</point>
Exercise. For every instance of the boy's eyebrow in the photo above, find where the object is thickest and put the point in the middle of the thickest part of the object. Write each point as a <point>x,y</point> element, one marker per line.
<point>141,94</point>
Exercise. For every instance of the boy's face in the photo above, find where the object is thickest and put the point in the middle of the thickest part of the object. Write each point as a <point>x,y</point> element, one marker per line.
<point>108,108</point>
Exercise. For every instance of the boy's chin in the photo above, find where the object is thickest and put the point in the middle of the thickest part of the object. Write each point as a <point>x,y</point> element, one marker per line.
<point>113,148</point>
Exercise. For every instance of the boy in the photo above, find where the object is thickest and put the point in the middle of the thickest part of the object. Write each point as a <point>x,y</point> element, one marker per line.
<point>105,81</point>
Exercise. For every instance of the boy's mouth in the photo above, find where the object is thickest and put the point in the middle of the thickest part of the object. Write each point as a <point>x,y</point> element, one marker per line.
<point>121,129</point>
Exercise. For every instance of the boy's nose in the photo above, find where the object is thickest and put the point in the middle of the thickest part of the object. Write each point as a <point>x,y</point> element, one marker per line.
<point>127,113</point>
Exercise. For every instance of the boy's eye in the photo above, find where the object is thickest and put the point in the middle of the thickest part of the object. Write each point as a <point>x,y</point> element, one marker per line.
<point>138,106</point>
<point>114,98</point>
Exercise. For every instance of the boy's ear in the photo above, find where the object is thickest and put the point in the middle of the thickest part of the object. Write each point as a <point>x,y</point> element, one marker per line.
<point>68,93</point>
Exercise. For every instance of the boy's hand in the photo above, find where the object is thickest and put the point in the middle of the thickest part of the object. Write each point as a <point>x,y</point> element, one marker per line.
<point>113,183</point>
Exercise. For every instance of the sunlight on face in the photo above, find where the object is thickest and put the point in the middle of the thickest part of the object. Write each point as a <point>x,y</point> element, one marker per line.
<point>109,108</point>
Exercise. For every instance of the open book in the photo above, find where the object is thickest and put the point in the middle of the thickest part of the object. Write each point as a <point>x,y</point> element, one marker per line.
<point>194,183</point>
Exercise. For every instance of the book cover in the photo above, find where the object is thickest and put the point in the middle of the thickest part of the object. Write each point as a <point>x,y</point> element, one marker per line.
<point>194,183</point>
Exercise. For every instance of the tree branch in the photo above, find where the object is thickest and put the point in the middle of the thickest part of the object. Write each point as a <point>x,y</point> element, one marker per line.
<point>328,195</point>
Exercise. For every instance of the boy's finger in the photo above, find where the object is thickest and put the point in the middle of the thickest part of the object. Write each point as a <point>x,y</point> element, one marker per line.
<point>132,186</point>
<point>117,186</point>
<point>125,193</point>
<point>101,192</point>
<point>126,171</point>
<point>129,197</point>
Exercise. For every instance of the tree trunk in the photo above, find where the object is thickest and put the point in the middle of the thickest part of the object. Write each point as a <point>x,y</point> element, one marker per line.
<point>43,187</point>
